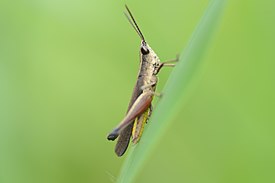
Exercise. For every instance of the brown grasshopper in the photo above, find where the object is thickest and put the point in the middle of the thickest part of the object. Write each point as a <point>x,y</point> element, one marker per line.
<point>139,109</point>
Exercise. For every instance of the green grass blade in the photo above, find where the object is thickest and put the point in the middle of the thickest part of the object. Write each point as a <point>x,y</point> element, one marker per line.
<point>175,92</point>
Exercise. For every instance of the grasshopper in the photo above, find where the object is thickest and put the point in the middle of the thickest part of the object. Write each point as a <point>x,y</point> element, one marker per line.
<point>140,108</point>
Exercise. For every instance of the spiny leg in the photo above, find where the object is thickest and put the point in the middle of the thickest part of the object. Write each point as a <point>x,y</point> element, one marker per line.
<point>142,103</point>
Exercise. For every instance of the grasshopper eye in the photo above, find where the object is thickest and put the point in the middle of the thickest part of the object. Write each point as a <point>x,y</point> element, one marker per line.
<point>144,50</point>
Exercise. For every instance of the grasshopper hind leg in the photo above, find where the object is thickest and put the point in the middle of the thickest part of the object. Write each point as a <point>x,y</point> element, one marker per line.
<point>140,124</point>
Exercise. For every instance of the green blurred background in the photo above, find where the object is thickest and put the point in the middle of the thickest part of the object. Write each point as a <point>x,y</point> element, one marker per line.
<point>67,70</point>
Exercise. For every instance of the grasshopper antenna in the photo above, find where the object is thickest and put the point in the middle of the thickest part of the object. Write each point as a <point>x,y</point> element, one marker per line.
<point>133,23</point>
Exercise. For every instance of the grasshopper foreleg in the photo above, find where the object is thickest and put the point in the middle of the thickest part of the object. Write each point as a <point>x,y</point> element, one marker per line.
<point>169,63</point>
